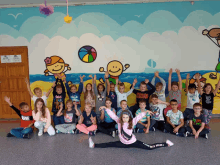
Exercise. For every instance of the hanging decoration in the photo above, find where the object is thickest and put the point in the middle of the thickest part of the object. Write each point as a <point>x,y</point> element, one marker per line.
<point>46,9</point>
<point>67,19</point>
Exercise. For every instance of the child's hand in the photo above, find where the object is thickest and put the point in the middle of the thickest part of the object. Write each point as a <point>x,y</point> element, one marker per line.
<point>150,112</point>
<point>147,131</point>
<point>167,103</point>
<point>95,77</point>
<point>176,129</point>
<point>81,78</point>
<point>61,105</point>
<point>7,99</point>
<point>106,74</point>
<point>64,80</point>
<point>197,76</point>
<point>156,74</point>
<point>177,71</point>
<point>101,108</point>
<point>26,80</point>
<point>194,132</point>
<point>90,76</point>
<point>135,81</point>
<point>146,81</point>
<point>45,130</point>
<point>196,136</point>
<point>170,71</point>
<point>188,76</point>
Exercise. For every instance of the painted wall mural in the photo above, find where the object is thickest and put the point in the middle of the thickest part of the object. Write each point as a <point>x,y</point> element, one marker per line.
<point>129,41</point>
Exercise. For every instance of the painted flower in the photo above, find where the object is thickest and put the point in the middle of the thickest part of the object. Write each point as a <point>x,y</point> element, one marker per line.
<point>47,60</point>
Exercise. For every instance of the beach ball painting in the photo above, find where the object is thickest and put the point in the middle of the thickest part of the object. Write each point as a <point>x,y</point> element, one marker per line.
<point>87,54</point>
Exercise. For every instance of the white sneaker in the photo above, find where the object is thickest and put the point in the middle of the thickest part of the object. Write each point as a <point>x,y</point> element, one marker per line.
<point>91,143</point>
<point>113,134</point>
<point>169,143</point>
<point>40,133</point>
<point>206,136</point>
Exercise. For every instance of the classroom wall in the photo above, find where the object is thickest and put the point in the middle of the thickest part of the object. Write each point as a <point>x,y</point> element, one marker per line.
<point>148,37</point>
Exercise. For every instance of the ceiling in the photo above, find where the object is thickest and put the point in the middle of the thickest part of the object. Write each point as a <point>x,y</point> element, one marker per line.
<point>32,3</point>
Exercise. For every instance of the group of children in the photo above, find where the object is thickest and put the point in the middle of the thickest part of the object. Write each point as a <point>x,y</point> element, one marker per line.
<point>106,110</point>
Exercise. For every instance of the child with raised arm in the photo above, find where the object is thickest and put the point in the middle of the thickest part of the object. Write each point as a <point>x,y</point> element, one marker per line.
<point>143,93</point>
<point>59,96</point>
<point>112,94</point>
<point>41,115</point>
<point>100,93</point>
<point>175,120</point>
<point>175,89</point>
<point>127,138</point>
<point>157,107</point>
<point>192,96</point>
<point>121,94</point>
<point>89,95</point>
<point>26,125</point>
<point>108,125</point>
<point>38,92</point>
<point>87,123</point>
<point>144,124</point>
<point>74,95</point>
<point>160,87</point>
<point>70,114</point>
<point>208,95</point>
<point>197,123</point>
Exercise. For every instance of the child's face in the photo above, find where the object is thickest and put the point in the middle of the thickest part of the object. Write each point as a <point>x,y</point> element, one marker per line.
<point>125,118</point>
<point>39,105</point>
<point>25,108</point>
<point>100,88</point>
<point>121,89</point>
<point>108,103</point>
<point>88,109</point>
<point>69,105</point>
<point>174,105</point>
<point>123,104</point>
<point>112,87</point>
<point>154,100</point>
<point>208,89</point>
<point>59,90</point>
<point>192,90</point>
<point>38,93</point>
<point>89,87</point>
<point>159,88</point>
<point>142,105</point>
<point>73,89</point>
<point>197,109</point>
<point>143,87</point>
<point>174,88</point>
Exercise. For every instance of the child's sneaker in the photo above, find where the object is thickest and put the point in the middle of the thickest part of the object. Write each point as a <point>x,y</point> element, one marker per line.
<point>180,134</point>
<point>169,143</point>
<point>140,131</point>
<point>77,131</point>
<point>188,134</point>
<point>71,132</point>
<point>91,133</point>
<point>152,129</point>
<point>10,135</point>
<point>40,133</point>
<point>206,136</point>
<point>165,131</point>
<point>113,134</point>
<point>91,143</point>
<point>57,131</point>
<point>26,136</point>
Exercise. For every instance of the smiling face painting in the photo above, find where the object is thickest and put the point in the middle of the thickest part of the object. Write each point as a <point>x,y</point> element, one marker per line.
<point>56,66</point>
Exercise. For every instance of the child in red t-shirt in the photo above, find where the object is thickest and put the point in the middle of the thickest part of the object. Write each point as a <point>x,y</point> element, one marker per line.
<point>27,121</point>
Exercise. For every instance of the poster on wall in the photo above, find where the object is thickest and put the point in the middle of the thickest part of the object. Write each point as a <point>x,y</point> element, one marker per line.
<point>10,58</point>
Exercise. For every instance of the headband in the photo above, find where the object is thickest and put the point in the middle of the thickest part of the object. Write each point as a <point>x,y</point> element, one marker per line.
<point>126,113</point>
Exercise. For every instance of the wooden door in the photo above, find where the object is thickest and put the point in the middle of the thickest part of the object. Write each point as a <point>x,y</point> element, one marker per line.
<point>13,70</point>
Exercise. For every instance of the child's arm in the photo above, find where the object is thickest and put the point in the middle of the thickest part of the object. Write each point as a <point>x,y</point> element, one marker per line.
<point>200,130</point>
<point>175,130</point>
<point>187,82</point>
<point>162,81</point>
<point>170,79</point>
<point>63,90</point>
<point>116,87</point>
<point>81,84</point>
<point>148,125</point>
<point>199,84</point>
<point>140,116</point>
<point>131,90</point>
<point>151,86</point>
<point>78,111</point>
<point>7,99</point>
<point>112,115</point>
<point>163,102</point>
<point>48,93</point>
<point>59,113</point>
<point>67,86</point>
<point>106,77</point>
<point>153,80</point>
<point>94,85</point>
<point>93,119</point>
<point>180,79</point>
<point>108,86</point>
<point>169,122</point>
<point>28,87</point>
<point>217,87</point>
<point>54,90</point>
<point>102,115</point>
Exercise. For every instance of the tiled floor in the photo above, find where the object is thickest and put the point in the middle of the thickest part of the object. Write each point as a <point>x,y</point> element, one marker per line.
<point>65,149</point>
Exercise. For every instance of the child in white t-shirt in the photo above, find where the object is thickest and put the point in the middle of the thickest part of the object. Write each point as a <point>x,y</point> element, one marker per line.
<point>38,92</point>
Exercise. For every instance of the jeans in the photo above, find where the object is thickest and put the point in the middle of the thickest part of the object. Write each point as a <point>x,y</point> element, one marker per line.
<point>20,132</point>
<point>187,113</point>
<point>202,133</point>
<point>65,128</point>
<point>106,128</point>
<point>41,125</point>
<point>159,125</point>
<point>141,127</point>
<point>169,129</point>
<point>58,119</point>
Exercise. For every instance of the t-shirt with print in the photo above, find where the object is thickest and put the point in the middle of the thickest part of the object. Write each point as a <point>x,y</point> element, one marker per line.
<point>70,116</point>
<point>113,97</point>
<point>175,117</point>
<point>144,119</point>
<point>197,121</point>
<point>34,98</point>
<point>107,118</point>
<point>207,101</point>
<point>100,99</point>
<point>175,95</point>
<point>87,121</point>
<point>192,99</point>
<point>158,111</point>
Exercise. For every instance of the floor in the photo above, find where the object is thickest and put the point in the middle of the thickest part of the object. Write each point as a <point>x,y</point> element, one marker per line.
<point>69,149</point>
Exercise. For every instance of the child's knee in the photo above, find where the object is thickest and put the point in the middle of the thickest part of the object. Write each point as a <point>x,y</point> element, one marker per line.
<point>37,124</point>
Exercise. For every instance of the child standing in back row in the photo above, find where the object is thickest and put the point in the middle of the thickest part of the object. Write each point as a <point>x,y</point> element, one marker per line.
<point>112,94</point>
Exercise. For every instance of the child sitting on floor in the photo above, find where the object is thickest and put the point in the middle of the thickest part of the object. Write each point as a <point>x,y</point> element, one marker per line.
<point>108,125</point>
<point>174,120</point>
<point>197,123</point>
<point>38,92</point>
<point>42,118</point>
<point>69,118</point>
<point>87,123</point>
<point>26,126</point>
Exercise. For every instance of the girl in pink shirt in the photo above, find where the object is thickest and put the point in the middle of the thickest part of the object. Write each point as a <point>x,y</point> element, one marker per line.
<point>125,127</point>
<point>41,115</point>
